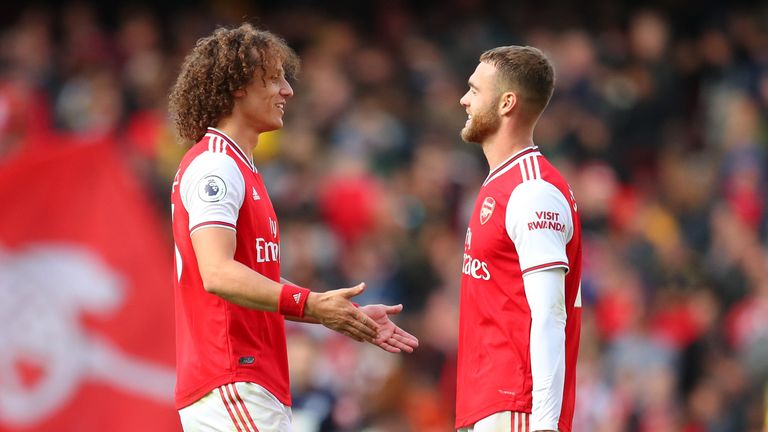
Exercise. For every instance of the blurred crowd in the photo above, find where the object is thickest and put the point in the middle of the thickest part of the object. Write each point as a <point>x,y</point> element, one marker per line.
<point>658,121</point>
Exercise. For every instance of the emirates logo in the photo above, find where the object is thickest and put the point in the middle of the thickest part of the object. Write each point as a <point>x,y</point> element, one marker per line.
<point>487,210</point>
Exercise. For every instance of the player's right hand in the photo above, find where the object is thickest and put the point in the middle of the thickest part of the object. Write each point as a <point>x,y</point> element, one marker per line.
<point>334,310</point>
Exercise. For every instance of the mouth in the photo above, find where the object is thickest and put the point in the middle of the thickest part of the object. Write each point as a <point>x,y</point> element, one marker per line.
<point>281,106</point>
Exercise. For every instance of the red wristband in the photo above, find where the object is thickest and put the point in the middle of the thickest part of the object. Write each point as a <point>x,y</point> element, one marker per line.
<point>292,300</point>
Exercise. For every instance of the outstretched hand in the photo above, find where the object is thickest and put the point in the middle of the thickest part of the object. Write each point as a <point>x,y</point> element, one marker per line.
<point>391,338</point>
<point>334,310</point>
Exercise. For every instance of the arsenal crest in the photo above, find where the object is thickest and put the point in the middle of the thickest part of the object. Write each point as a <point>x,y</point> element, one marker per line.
<point>487,210</point>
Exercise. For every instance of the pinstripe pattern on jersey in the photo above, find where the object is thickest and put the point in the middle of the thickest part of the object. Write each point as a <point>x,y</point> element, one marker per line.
<point>216,144</point>
<point>219,142</point>
<point>517,160</point>
<point>529,167</point>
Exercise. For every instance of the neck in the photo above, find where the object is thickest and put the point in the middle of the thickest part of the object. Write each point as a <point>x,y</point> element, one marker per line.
<point>506,142</point>
<point>245,137</point>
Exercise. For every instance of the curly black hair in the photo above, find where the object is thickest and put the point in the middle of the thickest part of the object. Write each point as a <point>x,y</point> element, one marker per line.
<point>219,65</point>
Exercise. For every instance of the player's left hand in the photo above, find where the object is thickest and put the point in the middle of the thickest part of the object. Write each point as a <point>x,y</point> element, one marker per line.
<point>391,338</point>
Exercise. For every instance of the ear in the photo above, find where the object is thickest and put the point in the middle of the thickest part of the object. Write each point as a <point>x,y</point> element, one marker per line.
<point>239,93</point>
<point>507,103</point>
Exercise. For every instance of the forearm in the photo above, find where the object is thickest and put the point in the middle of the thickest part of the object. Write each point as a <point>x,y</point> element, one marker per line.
<point>544,292</point>
<point>548,372</point>
<point>222,275</point>
<point>227,278</point>
<point>239,284</point>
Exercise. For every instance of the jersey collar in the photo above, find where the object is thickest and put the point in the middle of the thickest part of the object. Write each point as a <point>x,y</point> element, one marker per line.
<point>238,150</point>
<point>510,160</point>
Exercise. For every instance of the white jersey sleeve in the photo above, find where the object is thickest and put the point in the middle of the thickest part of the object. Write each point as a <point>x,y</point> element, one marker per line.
<point>545,291</point>
<point>212,190</point>
<point>540,224</point>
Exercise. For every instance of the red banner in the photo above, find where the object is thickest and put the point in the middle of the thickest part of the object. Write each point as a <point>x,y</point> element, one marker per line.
<point>86,301</point>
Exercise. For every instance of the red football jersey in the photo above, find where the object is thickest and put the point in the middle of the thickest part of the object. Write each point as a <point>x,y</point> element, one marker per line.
<point>525,219</point>
<point>219,342</point>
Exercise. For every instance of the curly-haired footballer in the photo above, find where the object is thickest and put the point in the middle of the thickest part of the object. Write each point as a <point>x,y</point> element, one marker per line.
<point>231,302</point>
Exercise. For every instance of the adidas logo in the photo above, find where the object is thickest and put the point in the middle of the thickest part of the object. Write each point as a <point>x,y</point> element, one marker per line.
<point>297,297</point>
<point>256,196</point>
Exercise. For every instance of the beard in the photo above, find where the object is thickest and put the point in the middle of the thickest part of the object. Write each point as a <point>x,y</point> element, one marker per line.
<point>482,125</point>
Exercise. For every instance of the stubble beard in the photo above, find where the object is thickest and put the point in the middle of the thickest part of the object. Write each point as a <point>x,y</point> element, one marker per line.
<point>482,125</point>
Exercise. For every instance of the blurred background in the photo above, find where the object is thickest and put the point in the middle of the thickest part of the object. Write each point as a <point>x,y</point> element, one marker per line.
<point>658,121</point>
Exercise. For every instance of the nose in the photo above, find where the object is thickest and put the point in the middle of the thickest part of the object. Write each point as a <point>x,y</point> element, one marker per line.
<point>286,90</point>
<point>464,101</point>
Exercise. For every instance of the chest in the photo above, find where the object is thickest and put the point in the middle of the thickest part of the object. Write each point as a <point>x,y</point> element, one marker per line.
<point>257,215</point>
<point>486,233</point>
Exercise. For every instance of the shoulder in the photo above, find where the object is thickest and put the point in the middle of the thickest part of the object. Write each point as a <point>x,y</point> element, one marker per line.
<point>551,174</point>
<point>534,192</point>
<point>211,162</point>
<point>537,200</point>
<point>213,172</point>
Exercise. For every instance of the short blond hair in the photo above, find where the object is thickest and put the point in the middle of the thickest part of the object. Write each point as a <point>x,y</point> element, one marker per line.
<point>524,70</point>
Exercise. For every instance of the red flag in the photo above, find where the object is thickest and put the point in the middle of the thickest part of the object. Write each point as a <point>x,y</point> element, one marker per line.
<point>86,304</point>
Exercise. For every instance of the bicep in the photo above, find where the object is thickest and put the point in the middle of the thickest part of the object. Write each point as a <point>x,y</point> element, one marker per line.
<point>213,247</point>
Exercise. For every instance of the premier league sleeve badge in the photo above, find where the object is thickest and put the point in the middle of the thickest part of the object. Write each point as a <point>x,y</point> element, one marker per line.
<point>211,189</point>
